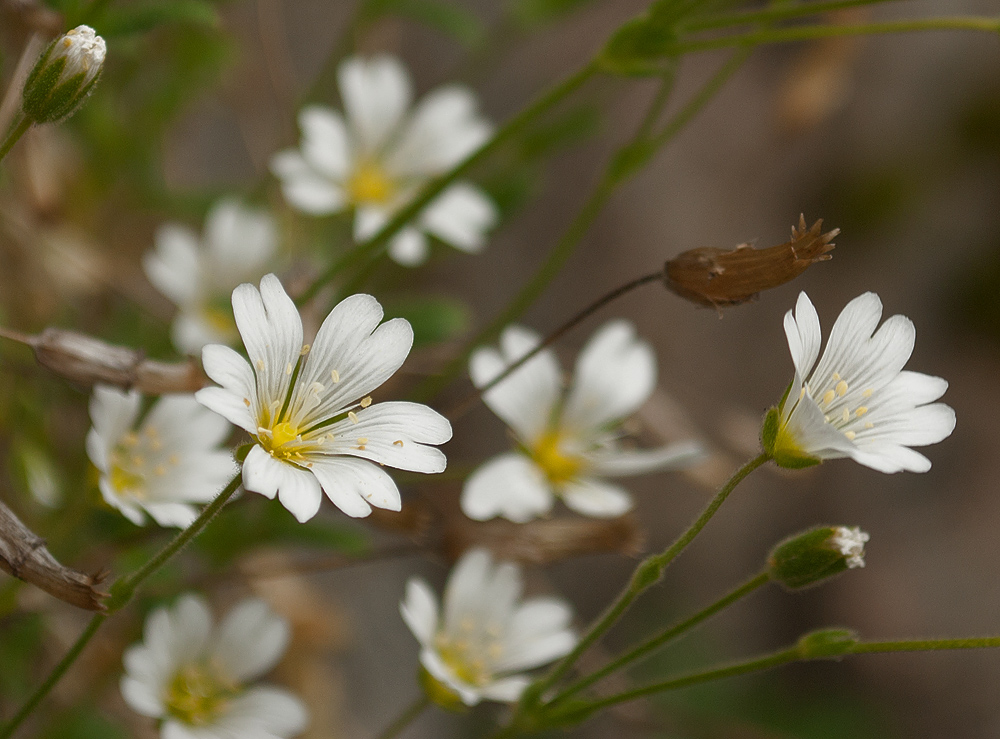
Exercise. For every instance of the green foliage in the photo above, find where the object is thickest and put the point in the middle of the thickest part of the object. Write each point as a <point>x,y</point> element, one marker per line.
<point>142,17</point>
<point>82,723</point>
<point>449,18</point>
<point>434,318</point>
<point>20,641</point>
<point>531,14</point>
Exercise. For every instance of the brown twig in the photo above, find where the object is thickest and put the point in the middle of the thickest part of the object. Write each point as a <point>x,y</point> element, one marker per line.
<point>24,556</point>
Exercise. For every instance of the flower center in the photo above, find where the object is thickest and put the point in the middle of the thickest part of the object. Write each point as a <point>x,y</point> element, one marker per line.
<point>137,458</point>
<point>468,658</point>
<point>198,694</point>
<point>370,184</point>
<point>838,413</point>
<point>558,466</point>
<point>283,441</point>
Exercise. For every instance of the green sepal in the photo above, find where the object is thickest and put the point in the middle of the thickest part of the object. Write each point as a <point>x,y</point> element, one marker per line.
<point>792,460</point>
<point>769,431</point>
<point>641,47</point>
<point>827,643</point>
<point>806,559</point>
<point>439,693</point>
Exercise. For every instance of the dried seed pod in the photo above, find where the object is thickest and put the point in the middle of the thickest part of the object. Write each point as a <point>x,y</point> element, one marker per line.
<point>719,277</point>
<point>24,556</point>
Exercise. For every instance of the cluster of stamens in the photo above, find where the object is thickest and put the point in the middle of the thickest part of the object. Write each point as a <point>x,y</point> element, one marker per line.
<point>138,457</point>
<point>370,184</point>
<point>843,416</point>
<point>198,693</point>
<point>470,654</point>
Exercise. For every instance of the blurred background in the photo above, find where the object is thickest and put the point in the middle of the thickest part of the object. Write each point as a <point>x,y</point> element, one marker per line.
<point>894,140</point>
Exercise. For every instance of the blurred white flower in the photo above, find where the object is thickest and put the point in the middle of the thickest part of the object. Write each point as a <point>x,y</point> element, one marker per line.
<point>383,154</point>
<point>568,442</point>
<point>485,637</point>
<point>163,467</point>
<point>308,408</point>
<point>199,274</point>
<point>857,401</point>
<point>851,543</point>
<point>194,677</point>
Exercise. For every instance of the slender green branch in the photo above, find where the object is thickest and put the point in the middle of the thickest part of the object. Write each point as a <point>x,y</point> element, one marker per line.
<point>64,664</point>
<point>773,14</point>
<point>666,636</point>
<point>17,129</point>
<point>460,408</point>
<point>407,717</point>
<point>924,645</point>
<point>121,593</point>
<point>432,189</point>
<point>645,576</point>
<point>626,162</point>
<point>808,33</point>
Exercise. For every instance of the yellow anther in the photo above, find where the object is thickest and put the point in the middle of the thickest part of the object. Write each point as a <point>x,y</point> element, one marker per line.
<point>353,416</point>
<point>138,461</point>
<point>159,470</point>
<point>366,401</point>
<point>868,393</point>
<point>130,439</point>
<point>802,392</point>
<point>398,442</point>
<point>869,425</point>
<point>289,368</point>
<point>334,375</point>
<point>845,416</point>
<point>305,349</point>
<point>862,410</point>
<point>828,397</point>
<point>495,650</point>
<point>841,388</point>
<point>850,435</point>
<point>173,459</point>
<point>246,401</point>
<point>362,440</point>
<point>836,376</point>
<point>260,365</point>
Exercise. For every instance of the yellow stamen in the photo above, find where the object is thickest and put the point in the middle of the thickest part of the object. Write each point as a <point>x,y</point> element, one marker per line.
<point>868,393</point>
<point>841,388</point>
<point>353,416</point>
<point>558,466</point>
<point>367,401</point>
<point>862,410</point>
<point>370,184</point>
<point>850,435</point>
<point>828,397</point>
<point>335,376</point>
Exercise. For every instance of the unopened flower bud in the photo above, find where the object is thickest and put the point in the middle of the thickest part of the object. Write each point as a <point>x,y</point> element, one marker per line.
<point>827,643</point>
<point>812,556</point>
<point>63,76</point>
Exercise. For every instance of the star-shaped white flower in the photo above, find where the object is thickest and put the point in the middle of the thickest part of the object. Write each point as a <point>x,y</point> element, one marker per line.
<point>309,409</point>
<point>195,677</point>
<point>477,648</point>
<point>568,444</point>
<point>851,543</point>
<point>165,466</point>
<point>383,154</point>
<point>199,274</point>
<point>856,401</point>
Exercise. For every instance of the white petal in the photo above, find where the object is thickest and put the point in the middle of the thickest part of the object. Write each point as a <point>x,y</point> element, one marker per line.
<point>190,332</point>
<point>174,267</point>
<point>368,221</point>
<point>304,188</point>
<point>178,635</point>
<point>250,641</point>
<point>228,405</point>
<point>592,497</point>
<point>506,690</point>
<point>354,485</point>
<point>614,375</point>
<point>239,241</point>
<point>238,394</point>
<point>440,671</point>
<point>443,130</point>
<point>270,712</point>
<point>376,93</point>
<point>179,515</point>
<point>419,610</point>
<point>272,332</point>
<point>460,216</point>
<point>890,458</point>
<point>141,698</point>
<point>511,486</point>
<point>396,433</point>
<point>296,488</point>
<point>804,335</point>
<point>113,413</point>
<point>325,144</point>
<point>181,422</point>
<point>526,398</point>
<point>466,587</point>
<point>409,248</point>
<point>624,463</point>
<point>172,729</point>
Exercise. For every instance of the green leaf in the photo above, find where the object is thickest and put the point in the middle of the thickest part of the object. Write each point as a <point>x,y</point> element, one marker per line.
<point>434,319</point>
<point>82,723</point>
<point>136,18</point>
<point>643,46</point>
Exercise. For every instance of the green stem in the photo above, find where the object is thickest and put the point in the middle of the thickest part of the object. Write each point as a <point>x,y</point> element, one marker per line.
<point>808,33</point>
<point>771,15</point>
<point>406,718</point>
<point>15,132</point>
<point>54,676</point>
<point>433,188</point>
<point>624,163</point>
<point>785,656</point>
<point>121,593</point>
<point>645,576</point>
<point>670,634</point>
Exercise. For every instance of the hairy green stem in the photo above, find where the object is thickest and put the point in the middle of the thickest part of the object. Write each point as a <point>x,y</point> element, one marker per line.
<point>809,33</point>
<point>121,593</point>
<point>17,129</point>
<point>432,189</point>
<point>773,14</point>
<point>408,716</point>
<point>645,576</point>
<point>666,636</point>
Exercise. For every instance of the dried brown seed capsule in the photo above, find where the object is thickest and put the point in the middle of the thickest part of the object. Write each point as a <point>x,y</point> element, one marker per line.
<point>719,277</point>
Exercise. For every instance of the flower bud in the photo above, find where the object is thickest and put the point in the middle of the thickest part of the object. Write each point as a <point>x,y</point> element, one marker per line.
<point>827,643</point>
<point>812,556</point>
<point>63,76</point>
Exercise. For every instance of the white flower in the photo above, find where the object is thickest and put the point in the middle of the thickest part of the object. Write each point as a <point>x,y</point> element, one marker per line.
<point>383,154</point>
<point>568,442</point>
<point>850,543</point>
<point>194,677</point>
<point>199,274</point>
<point>857,401</point>
<point>308,408</point>
<point>485,637</point>
<point>163,467</point>
<point>84,52</point>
